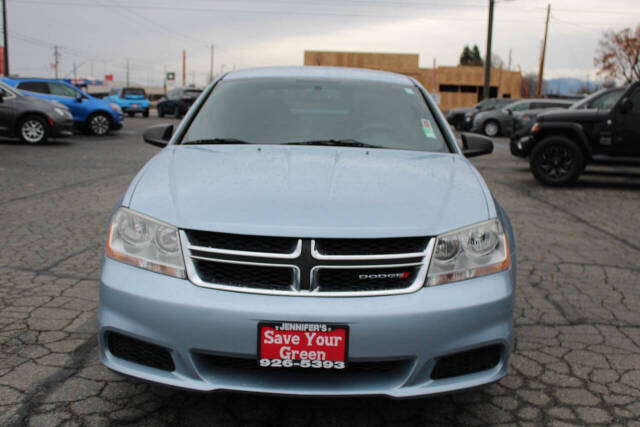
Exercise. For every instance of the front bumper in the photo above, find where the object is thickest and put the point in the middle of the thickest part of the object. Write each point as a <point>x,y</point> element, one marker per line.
<point>62,127</point>
<point>521,147</point>
<point>194,323</point>
<point>132,109</point>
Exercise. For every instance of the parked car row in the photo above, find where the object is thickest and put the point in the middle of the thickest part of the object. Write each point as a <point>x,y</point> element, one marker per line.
<point>90,114</point>
<point>602,128</point>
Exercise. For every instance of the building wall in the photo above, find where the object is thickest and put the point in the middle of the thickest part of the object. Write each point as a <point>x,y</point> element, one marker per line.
<point>459,86</point>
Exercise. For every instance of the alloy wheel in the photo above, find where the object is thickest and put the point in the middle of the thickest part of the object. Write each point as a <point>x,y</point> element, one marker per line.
<point>491,129</point>
<point>100,124</point>
<point>556,162</point>
<point>33,131</point>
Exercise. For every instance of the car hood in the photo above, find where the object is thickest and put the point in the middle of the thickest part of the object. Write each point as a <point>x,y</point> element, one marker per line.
<point>310,191</point>
<point>572,115</point>
<point>461,110</point>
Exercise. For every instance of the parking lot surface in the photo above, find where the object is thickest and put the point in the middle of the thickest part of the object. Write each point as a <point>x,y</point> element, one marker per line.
<point>577,314</point>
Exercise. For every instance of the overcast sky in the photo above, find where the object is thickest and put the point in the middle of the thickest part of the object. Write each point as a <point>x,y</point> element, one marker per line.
<point>99,35</point>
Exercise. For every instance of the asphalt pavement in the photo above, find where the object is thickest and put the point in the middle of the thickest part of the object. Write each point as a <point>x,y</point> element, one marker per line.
<point>577,311</point>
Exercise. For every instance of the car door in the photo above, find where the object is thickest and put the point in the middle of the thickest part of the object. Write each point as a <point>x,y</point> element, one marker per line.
<point>626,124</point>
<point>68,96</point>
<point>6,111</point>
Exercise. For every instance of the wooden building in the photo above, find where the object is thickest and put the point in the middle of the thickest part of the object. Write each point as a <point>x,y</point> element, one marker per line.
<point>459,86</point>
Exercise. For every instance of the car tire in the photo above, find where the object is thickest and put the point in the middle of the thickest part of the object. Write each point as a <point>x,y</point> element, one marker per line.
<point>491,128</point>
<point>131,114</point>
<point>145,113</point>
<point>34,130</point>
<point>99,124</point>
<point>160,112</point>
<point>556,161</point>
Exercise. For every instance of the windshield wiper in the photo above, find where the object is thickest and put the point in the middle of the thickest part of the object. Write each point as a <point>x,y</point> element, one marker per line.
<point>336,143</point>
<point>216,141</point>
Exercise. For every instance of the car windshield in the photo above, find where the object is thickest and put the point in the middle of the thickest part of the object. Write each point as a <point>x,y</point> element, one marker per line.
<point>326,112</point>
<point>612,97</point>
<point>133,91</point>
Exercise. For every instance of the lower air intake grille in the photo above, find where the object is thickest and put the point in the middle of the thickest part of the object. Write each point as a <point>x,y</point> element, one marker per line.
<point>467,362</point>
<point>244,275</point>
<point>141,352</point>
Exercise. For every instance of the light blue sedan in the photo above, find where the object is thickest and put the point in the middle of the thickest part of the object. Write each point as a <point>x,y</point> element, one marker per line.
<point>310,231</point>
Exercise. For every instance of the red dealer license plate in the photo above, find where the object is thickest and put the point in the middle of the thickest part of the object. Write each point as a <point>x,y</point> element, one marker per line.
<point>302,345</point>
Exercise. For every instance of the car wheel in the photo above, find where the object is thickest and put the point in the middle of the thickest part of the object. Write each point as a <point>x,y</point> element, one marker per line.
<point>131,114</point>
<point>33,130</point>
<point>491,128</point>
<point>99,124</point>
<point>160,112</point>
<point>556,161</point>
<point>145,113</point>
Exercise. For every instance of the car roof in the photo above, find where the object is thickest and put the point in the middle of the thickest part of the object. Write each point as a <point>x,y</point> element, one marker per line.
<point>320,72</point>
<point>34,79</point>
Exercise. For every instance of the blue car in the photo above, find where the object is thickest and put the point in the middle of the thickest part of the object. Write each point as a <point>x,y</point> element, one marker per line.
<point>310,231</point>
<point>132,100</point>
<point>90,114</point>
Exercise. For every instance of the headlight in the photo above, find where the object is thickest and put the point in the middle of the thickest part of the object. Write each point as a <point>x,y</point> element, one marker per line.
<point>115,107</point>
<point>60,111</point>
<point>535,128</point>
<point>469,252</point>
<point>144,242</point>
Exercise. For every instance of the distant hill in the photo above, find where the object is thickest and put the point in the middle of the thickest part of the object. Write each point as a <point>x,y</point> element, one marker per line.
<point>568,85</point>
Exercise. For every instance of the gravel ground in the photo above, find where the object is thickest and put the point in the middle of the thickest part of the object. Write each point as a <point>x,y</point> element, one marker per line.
<point>577,345</point>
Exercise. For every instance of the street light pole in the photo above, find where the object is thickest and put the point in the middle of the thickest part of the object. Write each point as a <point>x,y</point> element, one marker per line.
<point>6,39</point>
<point>487,60</point>
<point>544,51</point>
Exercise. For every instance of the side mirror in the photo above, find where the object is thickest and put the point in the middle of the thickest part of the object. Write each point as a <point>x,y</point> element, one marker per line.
<point>626,105</point>
<point>79,97</point>
<point>475,145</point>
<point>508,111</point>
<point>158,135</point>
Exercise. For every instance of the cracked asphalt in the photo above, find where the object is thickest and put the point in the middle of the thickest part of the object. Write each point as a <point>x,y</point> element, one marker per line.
<point>577,315</point>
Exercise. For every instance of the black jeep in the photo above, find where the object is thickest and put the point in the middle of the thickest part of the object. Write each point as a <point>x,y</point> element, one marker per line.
<point>561,143</point>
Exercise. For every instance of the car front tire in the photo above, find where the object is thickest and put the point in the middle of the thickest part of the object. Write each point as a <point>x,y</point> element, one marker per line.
<point>99,124</point>
<point>556,161</point>
<point>491,128</point>
<point>33,130</point>
<point>146,113</point>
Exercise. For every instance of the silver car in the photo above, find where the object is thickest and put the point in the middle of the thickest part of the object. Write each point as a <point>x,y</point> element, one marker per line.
<point>310,231</point>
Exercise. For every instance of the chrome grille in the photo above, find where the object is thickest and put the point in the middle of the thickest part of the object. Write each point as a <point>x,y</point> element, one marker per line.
<point>310,267</point>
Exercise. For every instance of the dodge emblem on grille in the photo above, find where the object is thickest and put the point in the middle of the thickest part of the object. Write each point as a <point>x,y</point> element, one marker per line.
<point>402,275</point>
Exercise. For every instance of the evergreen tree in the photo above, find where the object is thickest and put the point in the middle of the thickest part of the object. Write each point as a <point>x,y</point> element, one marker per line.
<point>471,56</point>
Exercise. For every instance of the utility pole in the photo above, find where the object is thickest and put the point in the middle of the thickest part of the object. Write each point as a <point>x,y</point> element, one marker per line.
<point>544,50</point>
<point>127,71</point>
<point>6,39</point>
<point>56,59</point>
<point>211,66</point>
<point>75,73</point>
<point>487,60</point>
<point>184,68</point>
<point>509,66</point>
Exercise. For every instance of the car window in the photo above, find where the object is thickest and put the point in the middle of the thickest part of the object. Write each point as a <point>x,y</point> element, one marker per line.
<point>521,106</point>
<point>59,89</point>
<point>133,91</point>
<point>278,111</point>
<point>5,93</point>
<point>192,92</point>
<point>489,104</point>
<point>38,87</point>
<point>606,101</point>
<point>635,100</point>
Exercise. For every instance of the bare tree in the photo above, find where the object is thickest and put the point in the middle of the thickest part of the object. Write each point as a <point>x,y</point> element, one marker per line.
<point>619,55</point>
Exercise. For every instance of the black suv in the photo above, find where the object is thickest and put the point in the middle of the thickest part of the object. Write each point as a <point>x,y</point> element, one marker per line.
<point>178,101</point>
<point>561,143</point>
